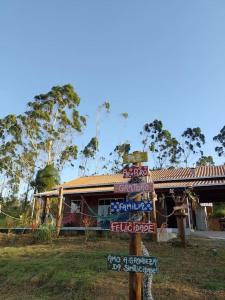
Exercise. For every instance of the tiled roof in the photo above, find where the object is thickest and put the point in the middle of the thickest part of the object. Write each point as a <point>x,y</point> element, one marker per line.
<point>157,175</point>
<point>161,185</point>
<point>189,183</point>
<point>167,178</point>
<point>95,180</point>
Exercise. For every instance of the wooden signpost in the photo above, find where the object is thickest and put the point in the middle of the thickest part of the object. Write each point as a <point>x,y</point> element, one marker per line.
<point>133,227</point>
<point>135,264</point>
<point>131,205</point>
<point>121,188</point>
<point>140,264</point>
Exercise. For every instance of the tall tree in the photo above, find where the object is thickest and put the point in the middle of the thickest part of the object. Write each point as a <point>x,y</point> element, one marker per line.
<point>205,161</point>
<point>58,122</point>
<point>220,138</point>
<point>10,139</point>
<point>193,140</point>
<point>164,148</point>
<point>118,153</point>
<point>43,135</point>
<point>88,153</point>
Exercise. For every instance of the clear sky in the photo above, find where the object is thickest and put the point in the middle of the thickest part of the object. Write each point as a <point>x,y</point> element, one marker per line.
<point>153,59</point>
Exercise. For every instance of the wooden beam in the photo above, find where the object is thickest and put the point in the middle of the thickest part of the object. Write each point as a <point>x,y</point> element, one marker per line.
<point>59,212</point>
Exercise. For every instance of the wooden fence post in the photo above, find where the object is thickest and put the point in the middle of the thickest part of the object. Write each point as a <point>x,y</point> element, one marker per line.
<point>59,212</point>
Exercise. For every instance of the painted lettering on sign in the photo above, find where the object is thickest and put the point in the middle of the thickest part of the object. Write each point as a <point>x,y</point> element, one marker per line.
<point>135,157</point>
<point>131,205</point>
<point>140,264</point>
<point>133,187</point>
<point>135,172</point>
<point>133,227</point>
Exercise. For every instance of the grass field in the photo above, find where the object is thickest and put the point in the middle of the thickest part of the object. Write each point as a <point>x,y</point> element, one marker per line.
<point>69,268</point>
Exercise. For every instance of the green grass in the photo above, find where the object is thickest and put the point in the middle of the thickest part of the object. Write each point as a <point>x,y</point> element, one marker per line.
<point>71,269</point>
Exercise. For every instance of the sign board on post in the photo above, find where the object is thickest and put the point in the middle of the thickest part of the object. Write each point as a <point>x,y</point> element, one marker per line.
<point>130,205</point>
<point>135,157</point>
<point>133,227</point>
<point>140,264</point>
<point>121,188</point>
<point>135,172</point>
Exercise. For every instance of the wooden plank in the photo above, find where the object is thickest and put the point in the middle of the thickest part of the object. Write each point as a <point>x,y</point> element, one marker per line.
<point>135,171</point>
<point>133,227</point>
<point>121,188</point>
<point>132,263</point>
<point>135,157</point>
<point>59,212</point>
<point>131,205</point>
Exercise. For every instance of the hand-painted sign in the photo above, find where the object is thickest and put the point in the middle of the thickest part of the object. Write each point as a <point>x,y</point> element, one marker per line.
<point>135,172</point>
<point>135,157</point>
<point>140,264</point>
<point>130,205</point>
<point>133,227</point>
<point>133,187</point>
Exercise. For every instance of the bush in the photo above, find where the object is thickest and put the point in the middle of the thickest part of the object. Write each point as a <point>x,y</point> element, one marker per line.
<point>218,210</point>
<point>45,233</point>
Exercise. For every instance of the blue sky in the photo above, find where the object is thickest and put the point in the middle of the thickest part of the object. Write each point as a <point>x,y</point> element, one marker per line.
<point>153,59</point>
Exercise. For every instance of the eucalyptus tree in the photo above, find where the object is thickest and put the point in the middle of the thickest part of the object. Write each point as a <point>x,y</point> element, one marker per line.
<point>205,161</point>
<point>44,135</point>
<point>220,139</point>
<point>58,122</point>
<point>193,140</point>
<point>164,148</point>
<point>88,153</point>
<point>117,157</point>
<point>10,139</point>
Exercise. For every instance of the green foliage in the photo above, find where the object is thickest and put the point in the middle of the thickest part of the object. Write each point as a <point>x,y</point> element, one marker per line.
<point>46,178</point>
<point>164,147</point>
<point>44,233</point>
<point>220,138</point>
<point>118,153</point>
<point>193,140</point>
<point>218,210</point>
<point>205,161</point>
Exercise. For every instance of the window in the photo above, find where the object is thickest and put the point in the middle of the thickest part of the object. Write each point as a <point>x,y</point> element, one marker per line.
<point>75,206</point>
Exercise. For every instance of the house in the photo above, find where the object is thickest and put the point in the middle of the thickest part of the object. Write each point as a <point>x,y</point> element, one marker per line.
<point>90,196</point>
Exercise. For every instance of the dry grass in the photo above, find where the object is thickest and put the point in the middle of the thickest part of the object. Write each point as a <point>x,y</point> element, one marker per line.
<point>69,268</point>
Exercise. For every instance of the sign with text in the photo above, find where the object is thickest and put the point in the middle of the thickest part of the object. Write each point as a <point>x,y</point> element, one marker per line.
<point>140,264</point>
<point>121,188</point>
<point>135,157</point>
<point>133,227</point>
<point>131,205</point>
<point>135,172</point>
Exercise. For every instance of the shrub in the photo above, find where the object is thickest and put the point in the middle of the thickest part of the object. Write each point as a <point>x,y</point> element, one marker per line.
<point>44,233</point>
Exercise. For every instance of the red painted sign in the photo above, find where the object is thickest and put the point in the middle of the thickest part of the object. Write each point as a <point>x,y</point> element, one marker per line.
<point>135,172</point>
<point>133,187</point>
<point>133,227</point>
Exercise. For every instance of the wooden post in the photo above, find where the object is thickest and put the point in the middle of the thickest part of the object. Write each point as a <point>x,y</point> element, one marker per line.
<point>181,229</point>
<point>154,219</point>
<point>59,212</point>
<point>135,279</point>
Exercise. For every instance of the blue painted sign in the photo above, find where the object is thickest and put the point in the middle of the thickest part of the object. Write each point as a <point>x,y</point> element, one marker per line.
<point>140,264</point>
<point>131,205</point>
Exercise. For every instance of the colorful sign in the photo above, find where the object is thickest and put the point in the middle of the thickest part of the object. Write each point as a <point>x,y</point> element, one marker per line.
<point>121,188</point>
<point>131,205</point>
<point>140,264</point>
<point>135,172</point>
<point>135,157</point>
<point>133,227</point>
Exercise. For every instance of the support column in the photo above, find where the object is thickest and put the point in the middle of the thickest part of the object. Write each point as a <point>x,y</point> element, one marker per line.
<point>59,212</point>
